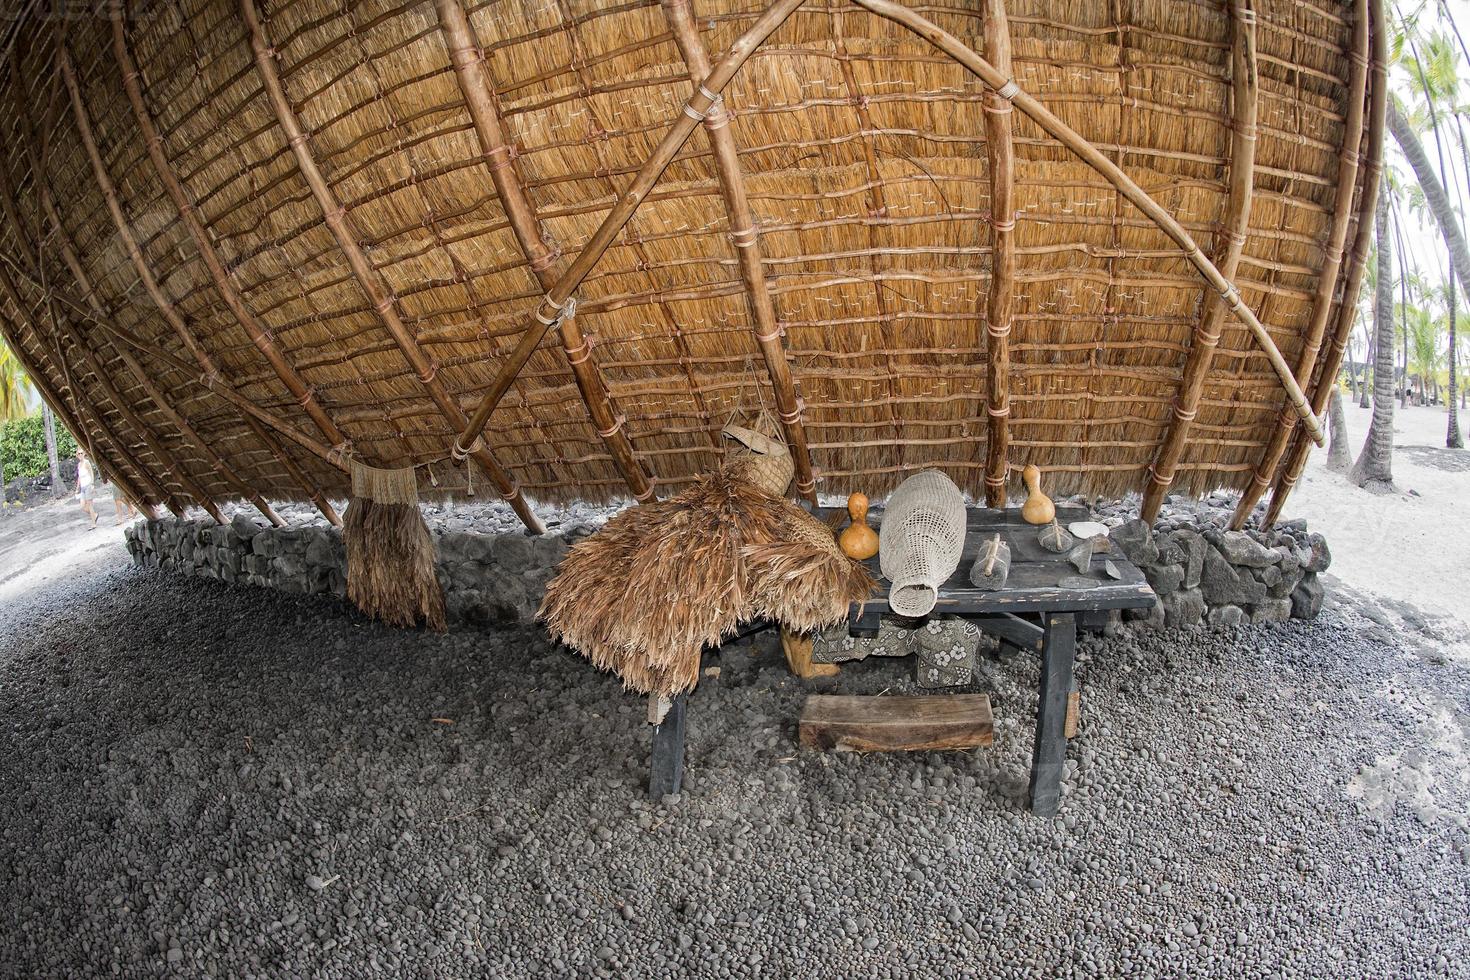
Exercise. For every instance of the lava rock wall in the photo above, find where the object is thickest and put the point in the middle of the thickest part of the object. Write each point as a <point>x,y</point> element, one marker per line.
<point>486,577</point>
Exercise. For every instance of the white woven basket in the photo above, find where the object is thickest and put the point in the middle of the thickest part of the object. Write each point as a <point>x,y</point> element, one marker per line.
<point>920,540</point>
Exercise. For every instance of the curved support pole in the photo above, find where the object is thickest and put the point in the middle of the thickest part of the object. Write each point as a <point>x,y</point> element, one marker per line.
<point>1007,88</point>
<point>1002,159</point>
<point>135,254</point>
<point>1347,179</point>
<point>464,51</point>
<point>369,279</point>
<point>745,238</point>
<point>696,109</point>
<point>1291,471</point>
<point>283,369</point>
<point>52,397</point>
<point>1244,86</point>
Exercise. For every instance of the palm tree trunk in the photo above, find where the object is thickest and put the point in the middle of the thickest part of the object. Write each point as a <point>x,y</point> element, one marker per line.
<point>1339,456</point>
<point>1452,437</point>
<point>1375,462</point>
<point>48,424</point>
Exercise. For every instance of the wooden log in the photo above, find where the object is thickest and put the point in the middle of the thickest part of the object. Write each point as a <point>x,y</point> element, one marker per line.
<point>1347,179</point>
<point>1244,84</point>
<point>798,650</point>
<point>1288,474</point>
<point>745,239</point>
<point>992,565</point>
<point>1098,161</point>
<point>694,112</point>
<point>1001,157</point>
<point>896,724</point>
<point>520,212</point>
<point>369,280</point>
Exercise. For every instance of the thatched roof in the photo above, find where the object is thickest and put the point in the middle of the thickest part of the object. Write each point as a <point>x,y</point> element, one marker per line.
<point>246,242</point>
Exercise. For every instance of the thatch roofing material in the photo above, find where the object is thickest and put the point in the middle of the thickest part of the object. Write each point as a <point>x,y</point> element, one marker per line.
<point>862,151</point>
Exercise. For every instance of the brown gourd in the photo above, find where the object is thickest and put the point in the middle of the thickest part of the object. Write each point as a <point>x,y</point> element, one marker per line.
<point>858,541</point>
<point>1038,508</point>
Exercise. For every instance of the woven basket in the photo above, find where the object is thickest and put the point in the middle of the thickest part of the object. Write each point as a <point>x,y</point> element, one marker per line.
<point>771,466</point>
<point>920,540</point>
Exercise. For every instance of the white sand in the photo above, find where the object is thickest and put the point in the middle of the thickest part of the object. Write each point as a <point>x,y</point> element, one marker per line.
<point>1409,546</point>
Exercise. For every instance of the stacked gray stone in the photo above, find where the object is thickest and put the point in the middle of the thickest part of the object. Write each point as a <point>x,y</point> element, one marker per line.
<point>486,577</point>
<point>1208,574</point>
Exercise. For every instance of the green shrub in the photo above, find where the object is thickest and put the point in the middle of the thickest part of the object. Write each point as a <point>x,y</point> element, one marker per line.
<point>23,446</point>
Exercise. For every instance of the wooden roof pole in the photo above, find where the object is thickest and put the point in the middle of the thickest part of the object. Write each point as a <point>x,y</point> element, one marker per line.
<point>262,339</point>
<point>1001,159</point>
<point>10,291</point>
<point>52,396</point>
<point>1347,180</point>
<point>369,279</point>
<point>1291,470</point>
<point>73,263</point>
<point>1244,87</point>
<point>464,51</point>
<point>1094,158</point>
<point>555,301</point>
<point>745,237</point>
<point>165,306</point>
<point>328,454</point>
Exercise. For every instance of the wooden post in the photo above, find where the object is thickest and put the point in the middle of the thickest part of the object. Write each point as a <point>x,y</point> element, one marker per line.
<point>369,279</point>
<point>277,360</point>
<point>469,69</point>
<point>1049,751</point>
<point>1347,179</point>
<point>696,109</point>
<point>1001,157</point>
<point>1244,85</point>
<point>744,237</point>
<point>666,767</point>
<point>1288,474</point>
<point>1094,158</point>
<point>798,650</point>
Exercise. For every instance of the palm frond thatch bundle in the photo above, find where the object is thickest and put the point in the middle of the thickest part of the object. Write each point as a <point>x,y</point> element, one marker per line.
<point>390,555</point>
<point>660,582</point>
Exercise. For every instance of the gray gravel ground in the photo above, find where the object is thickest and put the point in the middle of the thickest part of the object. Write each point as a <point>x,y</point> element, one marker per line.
<point>200,779</point>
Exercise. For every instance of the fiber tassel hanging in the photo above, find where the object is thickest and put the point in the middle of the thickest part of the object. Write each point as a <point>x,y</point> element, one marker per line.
<point>390,555</point>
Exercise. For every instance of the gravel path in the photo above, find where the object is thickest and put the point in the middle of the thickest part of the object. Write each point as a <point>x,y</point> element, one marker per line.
<point>198,779</point>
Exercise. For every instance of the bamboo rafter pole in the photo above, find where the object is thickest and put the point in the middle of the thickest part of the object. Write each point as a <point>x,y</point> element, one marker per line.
<point>379,296</point>
<point>10,291</point>
<point>695,110</point>
<point>1244,87</point>
<point>744,236</point>
<point>262,339</point>
<point>59,406</point>
<point>1291,470</point>
<point>166,307</point>
<point>99,312</point>
<point>73,262</point>
<point>1072,140</point>
<point>520,211</point>
<point>1347,179</point>
<point>1001,160</point>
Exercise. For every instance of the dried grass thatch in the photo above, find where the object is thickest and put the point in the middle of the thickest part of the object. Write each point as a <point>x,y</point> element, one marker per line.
<point>657,584</point>
<point>252,240</point>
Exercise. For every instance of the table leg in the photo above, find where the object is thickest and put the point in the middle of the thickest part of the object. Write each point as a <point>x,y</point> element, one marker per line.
<point>1049,753</point>
<point>798,650</point>
<point>666,771</point>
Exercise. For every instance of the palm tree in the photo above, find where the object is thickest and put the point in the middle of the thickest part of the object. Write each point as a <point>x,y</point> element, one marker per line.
<point>14,385</point>
<point>1375,462</point>
<point>1422,331</point>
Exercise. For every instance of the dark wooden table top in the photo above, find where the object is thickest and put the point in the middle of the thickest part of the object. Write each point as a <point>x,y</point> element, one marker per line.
<point>1034,582</point>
